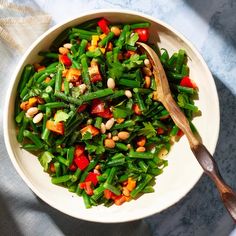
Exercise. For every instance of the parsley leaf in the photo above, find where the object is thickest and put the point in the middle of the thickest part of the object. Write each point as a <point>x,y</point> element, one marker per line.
<point>87,136</point>
<point>116,70</point>
<point>133,39</point>
<point>133,62</point>
<point>148,130</point>
<point>121,112</point>
<point>61,116</point>
<point>45,159</point>
<point>96,147</point>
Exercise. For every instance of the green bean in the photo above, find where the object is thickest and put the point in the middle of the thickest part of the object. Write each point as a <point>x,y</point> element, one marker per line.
<point>98,193</point>
<point>30,147</point>
<point>58,80</point>
<point>66,87</point>
<point>129,83</point>
<point>82,31</point>
<point>121,40</point>
<point>143,166</point>
<point>57,168</point>
<point>63,160</point>
<point>97,94</point>
<point>148,189</point>
<point>111,175</point>
<point>76,175</point>
<point>185,70</point>
<point>140,25</point>
<point>51,105</point>
<point>61,179</point>
<point>141,186</point>
<point>142,155</point>
<point>142,90</point>
<point>155,171</point>
<point>140,102</point>
<point>126,124</point>
<point>180,60</point>
<point>27,72</point>
<point>172,61</point>
<point>164,56</point>
<point>121,146</point>
<point>116,51</point>
<point>116,162</point>
<point>20,135</point>
<point>106,40</point>
<point>20,117</point>
<point>123,178</point>
<point>112,188</point>
<point>49,54</point>
<point>72,188</point>
<point>82,47</point>
<point>86,199</point>
<point>174,76</point>
<point>85,72</point>
<point>116,94</point>
<point>34,138</point>
<point>70,155</point>
<point>103,177</point>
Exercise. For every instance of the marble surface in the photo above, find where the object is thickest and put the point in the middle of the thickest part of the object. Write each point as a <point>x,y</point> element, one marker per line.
<point>211,26</point>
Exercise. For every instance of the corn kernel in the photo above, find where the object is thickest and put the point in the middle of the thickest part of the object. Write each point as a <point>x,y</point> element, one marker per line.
<point>94,41</point>
<point>102,36</point>
<point>91,48</point>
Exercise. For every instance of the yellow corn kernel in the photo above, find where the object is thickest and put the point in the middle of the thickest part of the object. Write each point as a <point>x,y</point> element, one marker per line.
<point>103,50</point>
<point>102,36</point>
<point>91,48</point>
<point>94,41</point>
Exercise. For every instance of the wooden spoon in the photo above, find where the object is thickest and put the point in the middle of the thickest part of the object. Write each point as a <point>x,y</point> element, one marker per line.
<point>205,159</point>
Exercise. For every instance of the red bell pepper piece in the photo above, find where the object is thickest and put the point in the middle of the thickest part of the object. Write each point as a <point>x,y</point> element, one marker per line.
<point>82,161</point>
<point>103,24</point>
<point>180,133</point>
<point>82,108</point>
<point>143,34</point>
<point>91,129</point>
<point>160,130</point>
<point>107,114</point>
<point>87,186</point>
<point>79,150</point>
<point>187,82</point>
<point>108,194</point>
<point>52,167</point>
<point>65,60</point>
<point>92,177</point>
<point>97,106</point>
<point>136,109</point>
<point>73,167</point>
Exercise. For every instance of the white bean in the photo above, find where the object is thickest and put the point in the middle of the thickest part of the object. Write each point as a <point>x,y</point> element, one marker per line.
<point>67,45</point>
<point>111,83</point>
<point>110,123</point>
<point>103,128</point>
<point>82,88</point>
<point>32,111</point>
<point>128,94</point>
<point>38,118</point>
<point>147,63</point>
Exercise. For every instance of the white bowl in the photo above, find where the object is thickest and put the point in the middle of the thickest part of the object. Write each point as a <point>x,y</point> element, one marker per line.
<point>183,171</point>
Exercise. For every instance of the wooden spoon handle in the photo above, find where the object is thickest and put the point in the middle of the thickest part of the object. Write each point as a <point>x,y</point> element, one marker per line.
<point>209,165</point>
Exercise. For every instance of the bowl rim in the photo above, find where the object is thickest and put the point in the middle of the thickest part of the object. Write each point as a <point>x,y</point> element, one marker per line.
<point>49,31</point>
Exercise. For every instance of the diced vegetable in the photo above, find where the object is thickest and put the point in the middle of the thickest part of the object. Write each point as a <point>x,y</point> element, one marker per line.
<point>101,134</point>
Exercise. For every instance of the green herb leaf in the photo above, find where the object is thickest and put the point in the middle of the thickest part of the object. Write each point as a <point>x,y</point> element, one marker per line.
<point>61,116</point>
<point>121,112</point>
<point>116,70</point>
<point>87,136</point>
<point>133,62</point>
<point>148,130</point>
<point>133,39</point>
<point>45,159</point>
